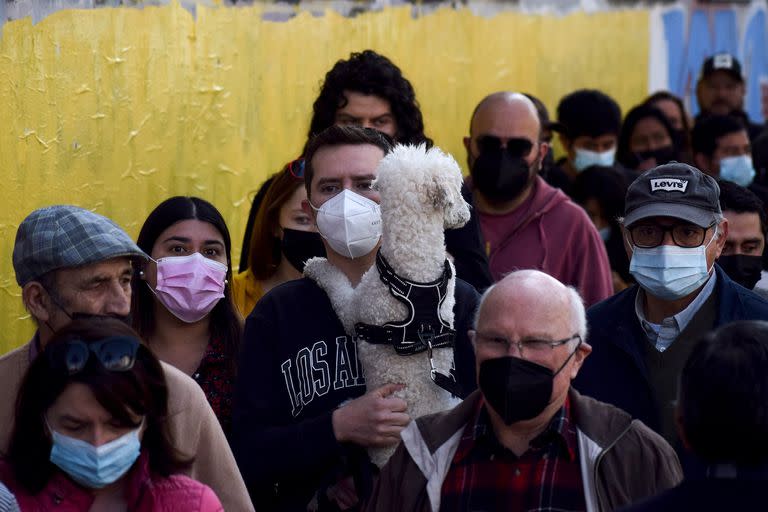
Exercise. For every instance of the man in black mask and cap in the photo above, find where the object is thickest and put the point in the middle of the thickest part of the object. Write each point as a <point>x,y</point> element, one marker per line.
<point>526,223</point>
<point>742,256</point>
<point>526,440</point>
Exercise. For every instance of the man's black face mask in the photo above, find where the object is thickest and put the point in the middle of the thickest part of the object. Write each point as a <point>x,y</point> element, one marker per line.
<point>501,174</point>
<point>743,269</point>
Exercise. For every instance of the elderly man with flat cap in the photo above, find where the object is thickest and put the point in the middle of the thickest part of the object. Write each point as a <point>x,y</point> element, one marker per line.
<point>526,440</point>
<point>673,231</point>
<point>69,262</point>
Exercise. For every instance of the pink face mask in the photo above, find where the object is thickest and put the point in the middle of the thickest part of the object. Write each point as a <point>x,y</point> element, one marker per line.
<point>189,286</point>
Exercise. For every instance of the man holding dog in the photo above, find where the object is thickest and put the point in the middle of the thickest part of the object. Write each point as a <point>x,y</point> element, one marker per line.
<point>526,223</point>
<point>303,415</point>
<point>526,440</point>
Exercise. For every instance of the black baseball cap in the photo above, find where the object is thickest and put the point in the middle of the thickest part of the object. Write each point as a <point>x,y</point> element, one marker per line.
<point>673,190</point>
<point>722,62</point>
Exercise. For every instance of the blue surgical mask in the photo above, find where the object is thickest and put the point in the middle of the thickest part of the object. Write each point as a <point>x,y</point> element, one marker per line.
<point>605,233</point>
<point>737,169</point>
<point>670,272</point>
<point>585,158</point>
<point>95,467</point>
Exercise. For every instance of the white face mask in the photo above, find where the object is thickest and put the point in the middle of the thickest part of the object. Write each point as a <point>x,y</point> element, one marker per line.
<point>585,158</point>
<point>350,223</point>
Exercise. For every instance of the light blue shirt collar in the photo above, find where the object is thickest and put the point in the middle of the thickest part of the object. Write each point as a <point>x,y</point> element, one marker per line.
<point>662,335</point>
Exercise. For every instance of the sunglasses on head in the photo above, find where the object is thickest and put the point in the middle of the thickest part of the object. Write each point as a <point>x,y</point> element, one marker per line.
<point>115,353</point>
<point>296,168</point>
<point>515,147</point>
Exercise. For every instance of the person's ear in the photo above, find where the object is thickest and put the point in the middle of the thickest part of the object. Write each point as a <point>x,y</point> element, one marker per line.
<point>544,148</point>
<point>578,358</point>
<point>37,301</point>
<point>722,237</point>
<point>626,240</point>
<point>468,144</point>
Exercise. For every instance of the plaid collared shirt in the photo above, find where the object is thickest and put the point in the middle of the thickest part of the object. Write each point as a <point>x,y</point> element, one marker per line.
<point>486,476</point>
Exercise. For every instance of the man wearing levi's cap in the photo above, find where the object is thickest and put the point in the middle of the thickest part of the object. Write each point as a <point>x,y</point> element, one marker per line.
<point>673,232</point>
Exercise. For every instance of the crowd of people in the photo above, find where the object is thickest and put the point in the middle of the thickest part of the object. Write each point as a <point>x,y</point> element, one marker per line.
<point>610,347</point>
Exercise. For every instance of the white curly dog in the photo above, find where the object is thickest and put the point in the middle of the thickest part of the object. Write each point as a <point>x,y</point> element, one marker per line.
<point>420,197</point>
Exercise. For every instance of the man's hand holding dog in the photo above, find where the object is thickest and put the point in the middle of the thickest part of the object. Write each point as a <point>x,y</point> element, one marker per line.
<point>375,419</point>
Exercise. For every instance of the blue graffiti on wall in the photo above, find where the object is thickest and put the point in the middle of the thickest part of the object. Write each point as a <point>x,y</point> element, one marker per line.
<point>712,31</point>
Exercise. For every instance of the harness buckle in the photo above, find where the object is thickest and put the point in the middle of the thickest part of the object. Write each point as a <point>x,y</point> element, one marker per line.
<point>445,381</point>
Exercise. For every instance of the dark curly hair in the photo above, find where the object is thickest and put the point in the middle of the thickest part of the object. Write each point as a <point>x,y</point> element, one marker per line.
<point>368,72</point>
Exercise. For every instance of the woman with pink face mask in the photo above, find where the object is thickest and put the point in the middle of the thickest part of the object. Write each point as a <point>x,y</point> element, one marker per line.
<point>181,300</point>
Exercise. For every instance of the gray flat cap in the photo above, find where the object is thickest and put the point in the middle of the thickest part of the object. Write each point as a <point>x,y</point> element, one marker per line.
<point>67,236</point>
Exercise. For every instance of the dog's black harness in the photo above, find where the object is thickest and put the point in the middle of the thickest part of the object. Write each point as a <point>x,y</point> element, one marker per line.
<point>423,301</point>
<point>423,329</point>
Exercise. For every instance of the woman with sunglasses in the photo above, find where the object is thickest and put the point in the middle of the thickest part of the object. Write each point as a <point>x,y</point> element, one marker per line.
<point>283,238</point>
<point>181,303</point>
<point>89,430</point>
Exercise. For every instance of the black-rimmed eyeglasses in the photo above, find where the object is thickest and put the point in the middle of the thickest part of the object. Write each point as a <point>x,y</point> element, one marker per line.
<point>648,236</point>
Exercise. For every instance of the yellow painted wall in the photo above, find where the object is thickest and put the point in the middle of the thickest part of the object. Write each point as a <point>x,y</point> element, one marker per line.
<point>117,109</point>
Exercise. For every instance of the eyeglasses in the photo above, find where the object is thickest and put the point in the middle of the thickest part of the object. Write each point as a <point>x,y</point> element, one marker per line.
<point>296,168</point>
<point>648,236</point>
<point>531,346</point>
<point>115,353</point>
<point>515,147</point>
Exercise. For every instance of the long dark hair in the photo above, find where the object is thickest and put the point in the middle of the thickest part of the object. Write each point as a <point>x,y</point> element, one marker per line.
<point>634,116</point>
<point>683,137</point>
<point>368,72</point>
<point>225,321</point>
<point>264,252</point>
<point>123,394</point>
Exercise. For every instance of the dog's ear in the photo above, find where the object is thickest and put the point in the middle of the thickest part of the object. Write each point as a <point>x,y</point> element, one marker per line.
<point>439,193</point>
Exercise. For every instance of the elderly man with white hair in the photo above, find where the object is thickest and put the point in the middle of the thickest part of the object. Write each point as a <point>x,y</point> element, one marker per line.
<point>526,440</point>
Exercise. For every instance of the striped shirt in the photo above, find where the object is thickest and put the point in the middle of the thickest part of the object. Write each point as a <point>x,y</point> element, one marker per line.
<point>7,501</point>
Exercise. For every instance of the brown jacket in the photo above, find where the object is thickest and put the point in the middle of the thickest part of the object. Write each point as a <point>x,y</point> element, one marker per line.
<point>193,427</point>
<point>622,460</point>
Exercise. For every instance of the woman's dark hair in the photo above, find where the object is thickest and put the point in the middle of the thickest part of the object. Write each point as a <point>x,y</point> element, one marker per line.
<point>264,246</point>
<point>683,140</point>
<point>258,198</point>
<point>225,321</point>
<point>668,96</point>
<point>139,391</point>
<point>723,403</point>
<point>623,152</point>
<point>370,73</point>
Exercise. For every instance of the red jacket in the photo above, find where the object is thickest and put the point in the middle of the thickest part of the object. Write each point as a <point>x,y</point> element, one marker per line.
<point>146,493</point>
<point>550,233</point>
